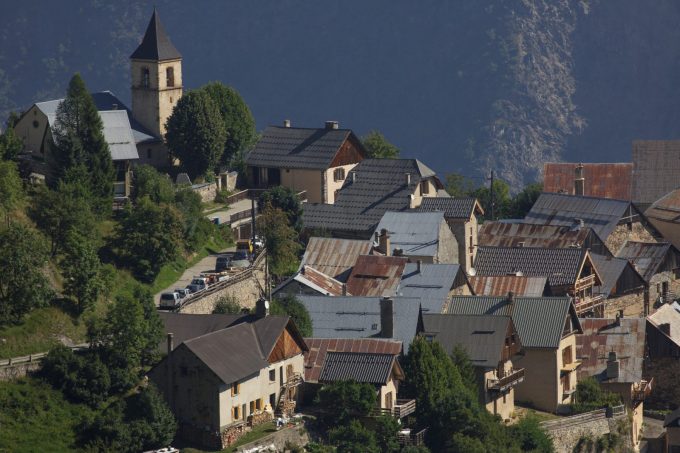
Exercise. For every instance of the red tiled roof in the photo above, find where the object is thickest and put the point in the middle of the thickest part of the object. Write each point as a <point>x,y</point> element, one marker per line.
<point>611,180</point>
<point>375,275</point>
<point>319,347</point>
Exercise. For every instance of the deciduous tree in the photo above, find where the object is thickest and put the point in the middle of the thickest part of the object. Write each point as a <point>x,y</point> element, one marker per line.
<point>11,189</point>
<point>343,401</point>
<point>281,240</point>
<point>196,133</point>
<point>10,144</point>
<point>354,438</point>
<point>290,306</point>
<point>150,183</point>
<point>287,200</point>
<point>378,147</point>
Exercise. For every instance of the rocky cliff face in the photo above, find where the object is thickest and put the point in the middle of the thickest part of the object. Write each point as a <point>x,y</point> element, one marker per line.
<point>464,86</point>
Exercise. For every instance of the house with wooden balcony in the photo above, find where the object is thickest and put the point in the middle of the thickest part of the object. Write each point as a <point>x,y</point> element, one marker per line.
<point>225,374</point>
<point>570,271</point>
<point>547,329</point>
<point>366,360</point>
<point>491,343</point>
<point>612,350</point>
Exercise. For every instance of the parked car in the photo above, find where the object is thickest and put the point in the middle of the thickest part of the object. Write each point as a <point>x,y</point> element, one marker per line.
<point>259,243</point>
<point>170,301</point>
<point>182,292</point>
<point>240,259</point>
<point>245,245</point>
<point>222,263</point>
<point>197,285</point>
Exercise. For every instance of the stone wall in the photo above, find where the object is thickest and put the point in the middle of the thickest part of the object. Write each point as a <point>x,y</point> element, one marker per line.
<point>632,304</point>
<point>295,435</point>
<point>566,432</point>
<point>207,191</point>
<point>622,233</point>
<point>11,372</point>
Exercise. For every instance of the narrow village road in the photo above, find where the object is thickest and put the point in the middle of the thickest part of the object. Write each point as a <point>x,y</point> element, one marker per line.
<point>225,214</point>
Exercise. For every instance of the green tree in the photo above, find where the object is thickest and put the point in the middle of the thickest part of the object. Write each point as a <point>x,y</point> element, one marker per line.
<point>10,144</point>
<point>150,183</point>
<point>150,236</point>
<point>281,240</point>
<point>152,424</point>
<point>227,306</point>
<point>11,189</point>
<point>458,185</point>
<point>530,436</point>
<point>62,212</point>
<point>385,429</point>
<point>23,285</point>
<point>342,401</point>
<point>287,200</point>
<point>378,147</point>
<point>81,270</point>
<point>197,228</point>
<point>462,362</point>
<point>354,438</point>
<point>523,201</point>
<point>590,396</point>
<point>196,133</point>
<point>78,136</point>
<point>502,200</point>
<point>289,305</point>
<point>238,120</point>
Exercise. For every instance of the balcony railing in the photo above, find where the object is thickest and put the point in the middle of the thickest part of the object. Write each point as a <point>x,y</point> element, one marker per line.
<point>587,304</point>
<point>641,390</point>
<point>510,379</point>
<point>401,409</point>
<point>584,282</point>
<point>408,437</point>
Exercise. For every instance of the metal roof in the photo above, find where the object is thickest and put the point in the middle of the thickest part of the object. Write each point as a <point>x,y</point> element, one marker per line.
<point>375,275</point>
<point>187,326</point>
<point>431,284</point>
<point>560,266</point>
<point>453,208</point>
<point>618,275</point>
<point>156,44</point>
<point>302,148</point>
<point>605,180</point>
<point>334,257</point>
<point>647,257</point>
<point>371,188</point>
<point>656,169</point>
<point>416,233</point>
<point>359,317</point>
<point>666,314</point>
<point>319,281</point>
<point>539,321</point>
<point>666,208</point>
<point>600,214</point>
<point>319,347</point>
<point>482,336</point>
<point>500,234</point>
<point>118,135</point>
<point>501,285</point>
<point>624,336</point>
<point>357,366</point>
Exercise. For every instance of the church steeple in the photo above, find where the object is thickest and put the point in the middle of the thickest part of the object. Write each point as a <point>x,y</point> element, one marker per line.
<point>156,44</point>
<point>156,67</point>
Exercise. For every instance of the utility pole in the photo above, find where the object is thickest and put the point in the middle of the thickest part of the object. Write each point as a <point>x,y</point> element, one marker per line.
<point>493,201</point>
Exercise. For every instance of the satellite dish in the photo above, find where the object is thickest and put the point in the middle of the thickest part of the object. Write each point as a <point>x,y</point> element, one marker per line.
<point>472,272</point>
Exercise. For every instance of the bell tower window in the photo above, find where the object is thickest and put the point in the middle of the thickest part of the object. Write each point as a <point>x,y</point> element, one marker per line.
<point>170,77</point>
<point>145,77</point>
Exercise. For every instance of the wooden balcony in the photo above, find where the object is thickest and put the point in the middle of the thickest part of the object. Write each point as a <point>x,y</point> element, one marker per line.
<point>641,390</point>
<point>510,379</point>
<point>588,304</point>
<point>584,282</point>
<point>400,409</point>
<point>569,367</point>
<point>407,437</point>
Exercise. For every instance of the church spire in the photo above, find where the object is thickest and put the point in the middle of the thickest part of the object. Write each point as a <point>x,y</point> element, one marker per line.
<point>156,44</point>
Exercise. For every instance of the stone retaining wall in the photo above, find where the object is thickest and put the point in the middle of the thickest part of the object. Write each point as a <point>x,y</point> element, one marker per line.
<point>295,435</point>
<point>207,191</point>
<point>11,372</point>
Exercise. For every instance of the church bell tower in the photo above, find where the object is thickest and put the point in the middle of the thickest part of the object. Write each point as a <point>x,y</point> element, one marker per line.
<point>156,78</point>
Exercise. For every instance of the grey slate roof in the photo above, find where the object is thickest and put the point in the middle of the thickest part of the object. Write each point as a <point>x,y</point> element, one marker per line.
<point>539,320</point>
<point>359,317</point>
<point>357,366</point>
<point>431,285</point>
<point>482,336</point>
<point>610,270</point>
<point>187,326</point>
<point>156,44</point>
<point>453,208</point>
<point>294,147</point>
<point>414,232</point>
<point>647,257</point>
<point>560,266</point>
<point>600,214</point>
<point>379,185</point>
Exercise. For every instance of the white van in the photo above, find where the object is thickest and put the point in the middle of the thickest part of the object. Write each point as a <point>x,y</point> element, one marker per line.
<point>170,301</point>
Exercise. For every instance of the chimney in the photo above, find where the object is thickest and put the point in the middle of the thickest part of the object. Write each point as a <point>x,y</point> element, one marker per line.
<point>665,328</point>
<point>332,124</point>
<point>170,343</point>
<point>408,179</point>
<point>579,181</point>
<point>354,176</point>
<point>511,303</point>
<point>612,366</point>
<point>344,289</point>
<point>286,123</point>
<point>261,307</point>
<point>419,265</point>
<point>386,317</point>
<point>384,244</point>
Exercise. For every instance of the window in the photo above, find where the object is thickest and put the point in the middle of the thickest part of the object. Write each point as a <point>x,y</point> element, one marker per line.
<point>272,375</point>
<point>424,188</point>
<point>272,400</point>
<point>429,338</point>
<point>235,413</point>
<point>252,407</point>
<point>148,153</point>
<point>235,388</point>
<point>170,77</point>
<point>145,77</point>
<point>258,404</point>
<point>566,355</point>
<point>339,174</point>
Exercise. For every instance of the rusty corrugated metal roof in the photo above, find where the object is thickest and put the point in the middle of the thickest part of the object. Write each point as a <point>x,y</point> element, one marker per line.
<point>334,257</point>
<point>501,285</point>
<point>312,277</point>
<point>656,169</point>
<point>375,275</point>
<point>610,180</point>
<point>647,257</point>
<point>601,336</point>
<point>666,208</point>
<point>499,234</point>
<point>319,347</point>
